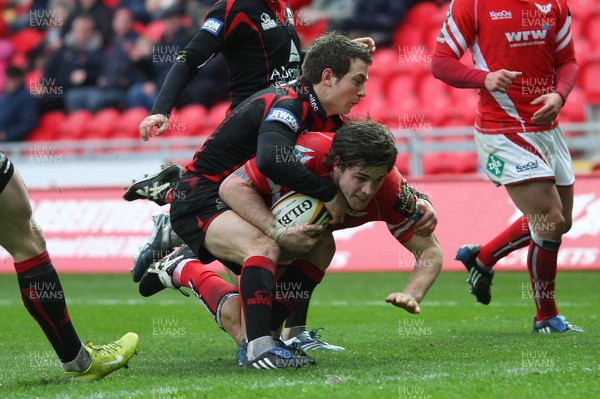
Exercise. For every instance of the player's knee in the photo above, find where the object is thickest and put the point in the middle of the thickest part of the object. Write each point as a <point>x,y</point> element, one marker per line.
<point>550,225</point>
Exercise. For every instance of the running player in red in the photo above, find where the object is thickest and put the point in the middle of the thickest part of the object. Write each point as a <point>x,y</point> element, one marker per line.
<point>524,69</point>
<point>41,290</point>
<point>359,160</point>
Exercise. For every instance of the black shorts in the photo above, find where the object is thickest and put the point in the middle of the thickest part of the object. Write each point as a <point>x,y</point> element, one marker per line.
<point>6,171</point>
<point>195,204</point>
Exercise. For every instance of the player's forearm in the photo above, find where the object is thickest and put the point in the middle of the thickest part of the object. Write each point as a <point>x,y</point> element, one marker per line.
<point>456,74</point>
<point>566,75</point>
<point>177,79</point>
<point>428,264</point>
<point>244,200</point>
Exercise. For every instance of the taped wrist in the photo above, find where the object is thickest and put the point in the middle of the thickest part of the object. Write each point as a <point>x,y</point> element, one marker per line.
<point>275,230</point>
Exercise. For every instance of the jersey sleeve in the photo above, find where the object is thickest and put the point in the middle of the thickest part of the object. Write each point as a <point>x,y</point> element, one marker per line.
<point>276,140</point>
<point>400,206</point>
<point>565,50</point>
<point>202,48</point>
<point>458,30</point>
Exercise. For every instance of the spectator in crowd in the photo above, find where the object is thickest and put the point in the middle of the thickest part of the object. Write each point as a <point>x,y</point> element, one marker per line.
<point>377,19</point>
<point>98,11</point>
<point>159,58</point>
<point>77,63</point>
<point>18,108</point>
<point>118,73</point>
<point>137,8</point>
<point>59,11</point>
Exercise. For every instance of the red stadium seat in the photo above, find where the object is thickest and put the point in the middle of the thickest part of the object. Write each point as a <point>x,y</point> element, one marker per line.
<point>191,120</point>
<point>575,107</point>
<point>422,14</point>
<point>76,125</point>
<point>216,115</point>
<point>590,81</point>
<point>48,126</point>
<point>401,85</point>
<point>408,35</point>
<point>104,124</point>
<point>27,39</point>
<point>128,123</point>
<point>385,63</point>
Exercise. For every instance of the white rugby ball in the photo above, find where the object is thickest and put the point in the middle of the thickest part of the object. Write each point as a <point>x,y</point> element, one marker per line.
<point>296,208</point>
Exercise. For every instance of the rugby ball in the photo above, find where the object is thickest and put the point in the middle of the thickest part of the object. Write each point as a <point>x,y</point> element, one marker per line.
<point>296,208</point>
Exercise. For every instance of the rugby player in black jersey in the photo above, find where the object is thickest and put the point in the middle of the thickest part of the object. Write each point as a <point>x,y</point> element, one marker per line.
<point>266,125</point>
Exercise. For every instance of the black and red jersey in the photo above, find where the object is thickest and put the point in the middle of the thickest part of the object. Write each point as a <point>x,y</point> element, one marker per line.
<point>258,40</point>
<point>266,125</point>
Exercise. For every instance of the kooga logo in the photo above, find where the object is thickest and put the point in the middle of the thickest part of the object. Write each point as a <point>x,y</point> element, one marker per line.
<point>504,14</point>
<point>526,35</point>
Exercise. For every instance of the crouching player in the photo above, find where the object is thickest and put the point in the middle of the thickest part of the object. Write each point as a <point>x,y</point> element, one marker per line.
<point>359,159</point>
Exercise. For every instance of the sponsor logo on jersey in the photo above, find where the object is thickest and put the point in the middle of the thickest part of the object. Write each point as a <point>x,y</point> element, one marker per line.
<point>212,25</point>
<point>312,99</point>
<point>528,166</point>
<point>545,9</point>
<point>267,23</point>
<point>284,116</point>
<point>294,53</point>
<point>526,38</point>
<point>495,165</point>
<point>504,14</point>
<point>282,75</point>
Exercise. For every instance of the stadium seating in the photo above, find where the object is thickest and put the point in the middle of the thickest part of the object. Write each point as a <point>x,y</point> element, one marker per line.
<point>104,124</point>
<point>127,126</point>
<point>49,126</point>
<point>75,126</point>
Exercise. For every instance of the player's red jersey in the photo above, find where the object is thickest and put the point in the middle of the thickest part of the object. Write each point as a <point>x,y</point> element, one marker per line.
<point>518,35</point>
<point>388,205</point>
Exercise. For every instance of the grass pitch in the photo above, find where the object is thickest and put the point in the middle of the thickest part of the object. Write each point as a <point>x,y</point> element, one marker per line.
<point>456,348</point>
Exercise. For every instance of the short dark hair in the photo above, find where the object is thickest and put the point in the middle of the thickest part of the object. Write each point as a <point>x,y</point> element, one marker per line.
<point>364,143</point>
<point>335,51</point>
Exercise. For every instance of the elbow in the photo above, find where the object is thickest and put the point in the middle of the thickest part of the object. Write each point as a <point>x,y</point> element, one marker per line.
<point>266,165</point>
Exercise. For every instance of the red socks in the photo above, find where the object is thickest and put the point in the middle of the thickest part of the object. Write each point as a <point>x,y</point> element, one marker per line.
<point>514,237</point>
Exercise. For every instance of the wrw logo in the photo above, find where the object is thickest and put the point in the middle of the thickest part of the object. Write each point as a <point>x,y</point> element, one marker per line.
<point>525,35</point>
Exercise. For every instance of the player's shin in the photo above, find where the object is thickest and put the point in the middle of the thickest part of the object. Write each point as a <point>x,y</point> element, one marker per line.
<point>542,265</point>
<point>293,289</point>
<point>44,298</point>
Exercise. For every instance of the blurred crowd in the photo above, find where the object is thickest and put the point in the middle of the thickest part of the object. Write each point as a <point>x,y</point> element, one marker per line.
<point>93,54</point>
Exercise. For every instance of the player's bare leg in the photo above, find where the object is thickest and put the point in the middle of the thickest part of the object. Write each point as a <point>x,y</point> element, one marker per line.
<point>541,203</point>
<point>42,293</point>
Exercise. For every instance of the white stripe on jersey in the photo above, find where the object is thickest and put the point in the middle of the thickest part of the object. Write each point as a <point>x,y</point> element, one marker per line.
<point>563,31</point>
<point>459,38</point>
<point>448,40</point>
<point>478,56</point>
<point>508,106</point>
<point>501,98</point>
<point>564,43</point>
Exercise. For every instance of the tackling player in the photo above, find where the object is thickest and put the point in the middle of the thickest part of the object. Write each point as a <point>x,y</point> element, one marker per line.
<point>265,125</point>
<point>40,287</point>
<point>359,160</point>
<point>525,68</point>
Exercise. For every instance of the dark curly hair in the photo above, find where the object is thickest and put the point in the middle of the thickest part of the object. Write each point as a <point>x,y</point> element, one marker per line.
<point>364,143</point>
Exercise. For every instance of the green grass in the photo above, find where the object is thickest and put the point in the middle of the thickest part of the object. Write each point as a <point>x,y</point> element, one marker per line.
<point>455,349</point>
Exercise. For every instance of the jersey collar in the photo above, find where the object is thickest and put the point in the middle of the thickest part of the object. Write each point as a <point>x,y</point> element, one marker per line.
<point>313,100</point>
